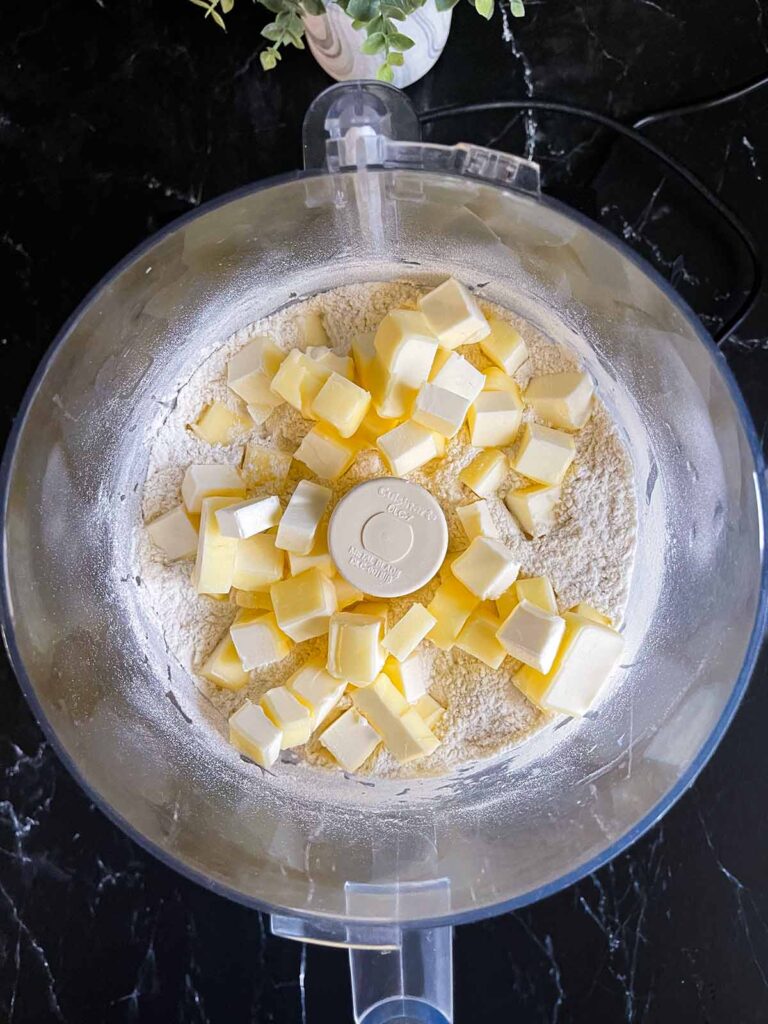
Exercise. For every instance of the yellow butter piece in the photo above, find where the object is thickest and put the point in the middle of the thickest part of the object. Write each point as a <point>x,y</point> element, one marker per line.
<point>477,520</point>
<point>253,734</point>
<point>350,739</point>
<point>341,404</point>
<point>406,346</point>
<point>304,604</point>
<point>253,599</point>
<point>429,709</point>
<point>453,315</point>
<point>250,372</point>
<point>440,410</point>
<point>408,447</point>
<point>222,666</point>
<point>258,563</point>
<point>363,355</point>
<point>588,654</point>
<point>504,346</point>
<point>586,611</point>
<point>498,380</point>
<point>313,330</point>
<point>346,594</point>
<point>217,424</point>
<point>265,468</point>
<point>329,360</point>
<point>215,565</point>
<point>405,733</point>
<point>494,418</point>
<point>534,507</point>
<point>391,396</point>
<point>291,716</point>
<point>299,380</point>
<point>318,558</point>
<point>355,653</point>
<point>371,429</point>
<point>300,521</point>
<point>455,373</point>
<point>562,400</point>
<point>536,589</point>
<point>210,482</point>
<point>326,453</point>
<point>258,639</point>
<point>175,534</point>
<point>408,676</point>
<point>485,473</point>
<point>532,635</point>
<point>478,637</point>
<point>451,606</point>
<point>544,454</point>
<point>404,637</point>
<point>487,568</point>
<point>380,609</point>
<point>315,687</point>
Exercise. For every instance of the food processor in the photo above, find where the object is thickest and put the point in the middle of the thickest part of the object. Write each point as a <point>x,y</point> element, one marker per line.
<point>381,866</point>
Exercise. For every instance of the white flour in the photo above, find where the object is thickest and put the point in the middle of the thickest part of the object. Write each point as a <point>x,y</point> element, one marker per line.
<point>587,556</point>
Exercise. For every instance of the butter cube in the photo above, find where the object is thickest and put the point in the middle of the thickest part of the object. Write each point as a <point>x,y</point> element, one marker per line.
<point>314,687</point>
<point>253,599</point>
<point>478,638</point>
<point>586,611</point>
<point>313,329</point>
<point>346,594</point>
<point>406,346</point>
<point>175,534</point>
<point>215,565</point>
<point>210,482</point>
<point>252,733</point>
<point>328,360</point>
<point>350,739</point>
<point>391,396</point>
<point>250,372</point>
<point>497,380</point>
<point>408,676</point>
<point>217,424</point>
<point>561,399</point>
<point>588,654</point>
<point>304,604</point>
<point>327,454</point>
<point>404,637</point>
<point>258,639</point>
<point>265,468</point>
<point>247,518</point>
<point>378,608</point>
<point>458,375</point>
<point>302,516</point>
<point>363,355</point>
<point>259,413</point>
<point>371,429</point>
<point>342,404</point>
<point>440,410</point>
<point>494,418</point>
<point>536,589</point>
<point>318,558</point>
<point>408,447</point>
<point>451,606</point>
<point>222,667</point>
<point>453,315</point>
<point>429,709</point>
<point>405,733</point>
<point>258,563</point>
<point>485,473</point>
<point>504,346</point>
<point>534,508</point>
<point>291,716</point>
<point>544,454</point>
<point>487,568</point>
<point>299,380</point>
<point>354,647</point>
<point>532,635</point>
<point>477,520</point>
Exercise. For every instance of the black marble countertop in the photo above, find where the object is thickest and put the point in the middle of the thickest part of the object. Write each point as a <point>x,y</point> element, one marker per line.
<point>117,117</point>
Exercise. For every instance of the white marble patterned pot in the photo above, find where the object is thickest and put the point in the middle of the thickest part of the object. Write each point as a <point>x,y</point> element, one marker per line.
<point>335,45</point>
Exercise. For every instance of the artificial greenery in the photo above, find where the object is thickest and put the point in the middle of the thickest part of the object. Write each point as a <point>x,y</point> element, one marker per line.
<point>379,18</point>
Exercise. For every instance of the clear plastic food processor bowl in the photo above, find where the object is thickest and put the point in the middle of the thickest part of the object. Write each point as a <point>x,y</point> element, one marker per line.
<point>376,864</point>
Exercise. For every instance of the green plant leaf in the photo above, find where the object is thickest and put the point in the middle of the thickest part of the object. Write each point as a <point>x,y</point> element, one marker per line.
<point>356,24</point>
<point>396,60</point>
<point>445,5</point>
<point>273,32</point>
<point>314,6</point>
<point>362,10</point>
<point>385,73</point>
<point>517,8</point>
<point>397,41</point>
<point>484,7</point>
<point>275,6</point>
<point>226,5</point>
<point>374,43</point>
<point>217,18</point>
<point>269,59</point>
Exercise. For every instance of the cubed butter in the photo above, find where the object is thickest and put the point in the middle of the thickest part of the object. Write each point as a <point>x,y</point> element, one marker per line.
<point>497,380</point>
<point>223,668</point>
<point>313,330</point>
<point>586,611</point>
<point>478,637</point>
<point>341,404</point>
<point>561,399</point>
<point>544,454</point>
<point>494,418</point>
<point>215,565</point>
<point>458,375</point>
<point>485,473</point>
<point>404,637</point>
<point>346,594</point>
<point>258,639</point>
<point>304,604</point>
<point>253,734</point>
<point>477,520</point>
<point>250,372</point>
<point>247,518</point>
<point>298,525</point>
<point>292,716</point>
<point>408,447</point>
<point>326,453</point>
<point>259,413</point>
<point>328,359</point>
<point>219,425</point>
<point>378,608</point>
<point>536,589</point>
<point>316,688</point>
<point>504,346</point>
<point>532,635</point>
<point>299,380</point>
<point>210,482</point>
<point>355,653</point>
<point>258,563</point>
<point>265,467</point>
<point>253,599</point>
<point>391,396</point>
<point>350,739</point>
<point>175,534</point>
<point>453,315</point>
<point>406,346</point>
<point>487,568</point>
<point>451,605</point>
<point>440,410</point>
<point>588,654</point>
<point>405,733</point>
<point>363,355</point>
<point>408,676</point>
<point>429,709</point>
<point>318,558</point>
<point>534,508</point>
<point>371,429</point>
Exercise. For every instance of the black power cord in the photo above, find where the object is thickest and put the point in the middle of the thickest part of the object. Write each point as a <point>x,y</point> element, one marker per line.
<point>633,135</point>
